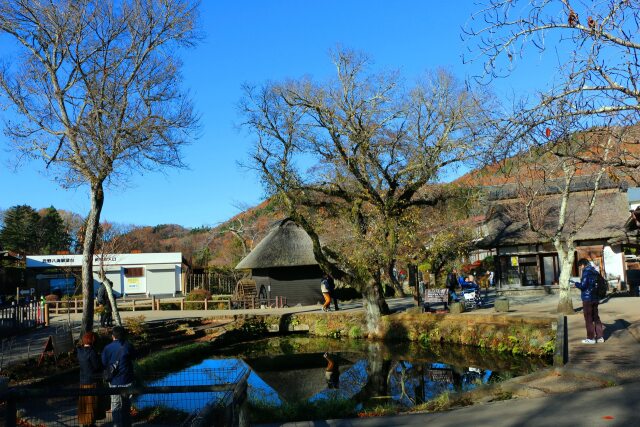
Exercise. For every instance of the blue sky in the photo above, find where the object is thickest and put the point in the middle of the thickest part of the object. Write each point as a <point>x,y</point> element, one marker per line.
<point>254,41</point>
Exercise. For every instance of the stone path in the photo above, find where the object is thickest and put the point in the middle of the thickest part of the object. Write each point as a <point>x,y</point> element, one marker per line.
<point>589,366</point>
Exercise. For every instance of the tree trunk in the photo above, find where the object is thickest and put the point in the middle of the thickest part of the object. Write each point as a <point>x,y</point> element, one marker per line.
<point>375,305</point>
<point>90,234</point>
<point>397,286</point>
<point>114,307</point>
<point>566,255</point>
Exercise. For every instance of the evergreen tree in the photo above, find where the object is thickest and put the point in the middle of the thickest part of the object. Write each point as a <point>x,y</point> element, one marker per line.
<point>53,234</point>
<point>20,230</point>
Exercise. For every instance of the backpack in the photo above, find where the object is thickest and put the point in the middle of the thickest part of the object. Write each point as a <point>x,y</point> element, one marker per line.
<point>601,286</point>
<point>112,369</point>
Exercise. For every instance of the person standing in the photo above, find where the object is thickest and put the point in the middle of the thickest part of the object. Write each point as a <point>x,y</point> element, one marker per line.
<point>90,367</point>
<point>452,284</point>
<point>326,292</point>
<point>121,353</point>
<point>106,315</point>
<point>590,301</point>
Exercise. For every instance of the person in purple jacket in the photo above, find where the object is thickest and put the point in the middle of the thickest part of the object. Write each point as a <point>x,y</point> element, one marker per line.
<point>589,294</point>
<point>120,351</point>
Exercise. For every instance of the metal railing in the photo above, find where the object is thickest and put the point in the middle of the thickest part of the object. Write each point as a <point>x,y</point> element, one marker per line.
<point>195,398</point>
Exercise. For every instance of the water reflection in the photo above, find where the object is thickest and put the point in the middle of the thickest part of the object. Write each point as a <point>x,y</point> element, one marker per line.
<point>363,371</point>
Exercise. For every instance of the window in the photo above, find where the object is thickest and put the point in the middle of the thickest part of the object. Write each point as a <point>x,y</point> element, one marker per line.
<point>134,272</point>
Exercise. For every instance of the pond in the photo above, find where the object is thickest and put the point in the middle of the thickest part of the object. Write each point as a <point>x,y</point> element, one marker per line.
<point>294,369</point>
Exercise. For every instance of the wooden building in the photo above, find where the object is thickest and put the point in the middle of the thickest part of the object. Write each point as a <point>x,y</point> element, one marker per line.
<point>283,264</point>
<point>526,259</point>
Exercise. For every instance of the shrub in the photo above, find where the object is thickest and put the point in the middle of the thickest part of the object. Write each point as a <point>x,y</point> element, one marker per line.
<point>169,306</point>
<point>136,327</point>
<point>196,295</point>
<point>52,297</point>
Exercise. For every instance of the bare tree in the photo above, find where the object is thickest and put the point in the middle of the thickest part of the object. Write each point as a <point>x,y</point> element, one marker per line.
<point>110,240</point>
<point>596,46</point>
<point>97,89</point>
<point>557,195</point>
<point>352,158</point>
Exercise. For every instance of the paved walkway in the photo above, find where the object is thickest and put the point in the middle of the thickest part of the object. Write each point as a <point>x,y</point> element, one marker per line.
<point>610,407</point>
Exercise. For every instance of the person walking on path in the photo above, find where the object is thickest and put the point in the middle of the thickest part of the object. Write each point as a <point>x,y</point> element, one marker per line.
<point>121,354</point>
<point>326,292</point>
<point>89,409</point>
<point>452,285</point>
<point>106,315</point>
<point>331,285</point>
<point>590,301</point>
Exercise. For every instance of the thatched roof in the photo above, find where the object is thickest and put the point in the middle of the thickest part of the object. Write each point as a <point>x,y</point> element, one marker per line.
<point>286,245</point>
<point>507,224</point>
<point>554,186</point>
<point>631,229</point>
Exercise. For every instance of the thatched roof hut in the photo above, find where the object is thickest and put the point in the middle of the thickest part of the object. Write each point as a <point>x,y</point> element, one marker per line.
<point>286,245</point>
<point>507,223</point>
<point>283,265</point>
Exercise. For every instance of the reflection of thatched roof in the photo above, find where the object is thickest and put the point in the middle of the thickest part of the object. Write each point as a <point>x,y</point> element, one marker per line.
<point>286,245</point>
<point>507,224</point>
<point>295,385</point>
<point>297,378</point>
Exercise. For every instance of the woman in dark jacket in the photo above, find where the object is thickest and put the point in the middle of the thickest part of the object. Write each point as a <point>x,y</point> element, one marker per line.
<point>590,302</point>
<point>90,371</point>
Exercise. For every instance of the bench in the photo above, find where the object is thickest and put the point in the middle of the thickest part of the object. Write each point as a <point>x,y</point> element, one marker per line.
<point>436,296</point>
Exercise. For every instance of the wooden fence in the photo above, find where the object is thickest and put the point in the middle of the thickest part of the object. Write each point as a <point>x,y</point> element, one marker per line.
<point>215,283</point>
<point>220,302</point>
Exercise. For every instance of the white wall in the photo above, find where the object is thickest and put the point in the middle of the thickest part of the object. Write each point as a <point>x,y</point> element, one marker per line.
<point>162,280</point>
<point>614,261</point>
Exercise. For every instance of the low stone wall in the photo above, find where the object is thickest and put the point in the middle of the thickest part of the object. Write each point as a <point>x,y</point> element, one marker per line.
<point>533,291</point>
<point>502,333</point>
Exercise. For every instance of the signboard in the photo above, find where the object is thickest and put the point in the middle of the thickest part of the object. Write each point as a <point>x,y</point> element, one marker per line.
<point>440,375</point>
<point>135,285</point>
<point>36,261</point>
<point>514,261</point>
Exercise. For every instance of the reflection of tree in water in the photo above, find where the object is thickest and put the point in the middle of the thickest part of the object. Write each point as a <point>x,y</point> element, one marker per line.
<point>377,370</point>
<point>412,384</point>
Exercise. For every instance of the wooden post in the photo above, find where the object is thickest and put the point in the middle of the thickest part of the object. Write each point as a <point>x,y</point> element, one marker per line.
<point>75,305</point>
<point>133,305</point>
<point>206,307</point>
<point>182,304</point>
<point>158,303</point>
<point>153,302</point>
<point>46,314</point>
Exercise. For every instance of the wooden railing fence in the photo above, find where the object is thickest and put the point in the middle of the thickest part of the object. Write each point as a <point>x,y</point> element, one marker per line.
<point>215,283</point>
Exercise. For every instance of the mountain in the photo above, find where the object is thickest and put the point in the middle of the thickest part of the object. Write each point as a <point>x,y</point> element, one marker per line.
<point>221,246</point>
